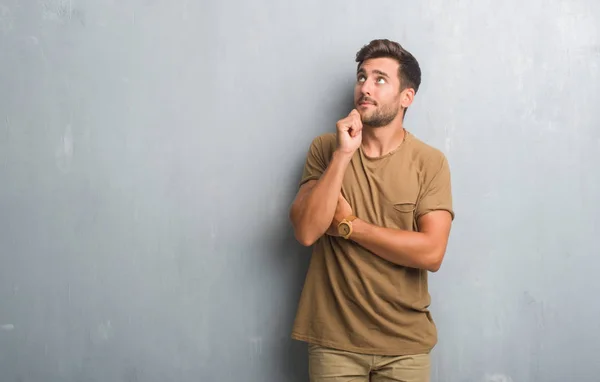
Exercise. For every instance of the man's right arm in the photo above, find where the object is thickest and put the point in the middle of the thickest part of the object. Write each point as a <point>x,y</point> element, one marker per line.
<point>313,208</point>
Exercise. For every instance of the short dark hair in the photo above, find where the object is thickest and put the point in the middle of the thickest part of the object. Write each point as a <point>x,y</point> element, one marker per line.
<point>409,71</point>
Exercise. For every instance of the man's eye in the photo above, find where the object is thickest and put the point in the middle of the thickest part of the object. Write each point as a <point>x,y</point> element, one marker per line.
<point>361,79</point>
<point>381,80</point>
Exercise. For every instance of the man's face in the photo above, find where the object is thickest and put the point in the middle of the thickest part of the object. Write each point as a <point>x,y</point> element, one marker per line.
<point>377,95</point>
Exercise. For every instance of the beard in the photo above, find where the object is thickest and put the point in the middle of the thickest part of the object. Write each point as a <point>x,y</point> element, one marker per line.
<point>382,116</point>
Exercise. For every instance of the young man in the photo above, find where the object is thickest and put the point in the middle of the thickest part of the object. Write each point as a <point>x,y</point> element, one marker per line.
<point>375,203</point>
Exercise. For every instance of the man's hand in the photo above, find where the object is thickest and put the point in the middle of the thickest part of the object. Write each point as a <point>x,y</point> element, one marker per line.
<point>342,211</point>
<point>349,132</point>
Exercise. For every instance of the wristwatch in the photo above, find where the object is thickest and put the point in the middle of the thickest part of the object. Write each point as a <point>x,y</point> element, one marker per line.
<point>345,227</point>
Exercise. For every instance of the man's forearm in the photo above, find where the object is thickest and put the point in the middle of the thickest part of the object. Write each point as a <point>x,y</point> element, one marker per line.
<point>406,248</point>
<point>312,214</point>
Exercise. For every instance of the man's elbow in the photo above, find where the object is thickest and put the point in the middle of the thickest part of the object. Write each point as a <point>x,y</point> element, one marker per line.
<point>434,261</point>
<point>305,238</point>
<point>305,241</point>
<point>303,234</point>
<point>434,267</point>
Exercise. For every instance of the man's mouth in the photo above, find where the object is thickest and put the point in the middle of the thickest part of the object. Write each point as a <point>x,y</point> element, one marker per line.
<point>366,102</point>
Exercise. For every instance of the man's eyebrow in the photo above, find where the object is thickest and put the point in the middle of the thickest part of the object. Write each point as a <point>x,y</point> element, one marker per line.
<point>384,74</point>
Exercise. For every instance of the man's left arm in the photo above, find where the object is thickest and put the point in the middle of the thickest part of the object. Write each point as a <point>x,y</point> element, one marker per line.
<point>423,249</point>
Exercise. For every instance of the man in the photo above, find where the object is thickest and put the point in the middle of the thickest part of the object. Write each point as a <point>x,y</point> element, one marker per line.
<point>375,203</point>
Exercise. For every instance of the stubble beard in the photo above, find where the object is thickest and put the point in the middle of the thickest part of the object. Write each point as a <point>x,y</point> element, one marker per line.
<point>382,116</point>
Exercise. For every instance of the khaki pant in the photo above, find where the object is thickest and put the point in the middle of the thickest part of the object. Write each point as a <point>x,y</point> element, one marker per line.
<point>330,365</point>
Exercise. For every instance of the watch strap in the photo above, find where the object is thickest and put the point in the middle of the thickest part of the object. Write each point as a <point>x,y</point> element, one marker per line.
<point>348,220</point>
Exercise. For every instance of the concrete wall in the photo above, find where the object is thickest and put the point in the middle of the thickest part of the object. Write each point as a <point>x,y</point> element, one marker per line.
<point>149,151</point>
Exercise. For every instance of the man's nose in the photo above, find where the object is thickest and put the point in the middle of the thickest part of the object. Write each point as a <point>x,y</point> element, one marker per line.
<point>366,88</point>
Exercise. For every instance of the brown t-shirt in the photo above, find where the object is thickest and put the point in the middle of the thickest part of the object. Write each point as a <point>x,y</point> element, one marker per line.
<point>353,299</point>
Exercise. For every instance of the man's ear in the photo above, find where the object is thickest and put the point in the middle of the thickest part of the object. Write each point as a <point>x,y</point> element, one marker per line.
<point>406,97</point>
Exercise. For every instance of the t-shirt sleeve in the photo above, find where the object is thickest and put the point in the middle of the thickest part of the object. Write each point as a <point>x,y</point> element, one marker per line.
<point>437,191</point>
<point>315,163</point>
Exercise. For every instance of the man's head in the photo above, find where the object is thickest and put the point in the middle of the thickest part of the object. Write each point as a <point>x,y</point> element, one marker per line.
<point>388,77</point>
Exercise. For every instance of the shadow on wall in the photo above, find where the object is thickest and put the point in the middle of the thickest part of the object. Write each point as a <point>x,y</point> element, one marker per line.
<point>292,259</point>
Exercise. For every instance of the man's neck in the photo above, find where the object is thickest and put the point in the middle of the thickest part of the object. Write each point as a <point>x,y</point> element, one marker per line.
<point>379,141</point>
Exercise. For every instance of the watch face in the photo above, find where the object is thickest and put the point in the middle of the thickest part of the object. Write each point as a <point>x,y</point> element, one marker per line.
<point>344,229</point>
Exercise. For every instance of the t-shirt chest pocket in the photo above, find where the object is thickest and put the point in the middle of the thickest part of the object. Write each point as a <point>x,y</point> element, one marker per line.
<point>400,210</point>
<point>399,199</point>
